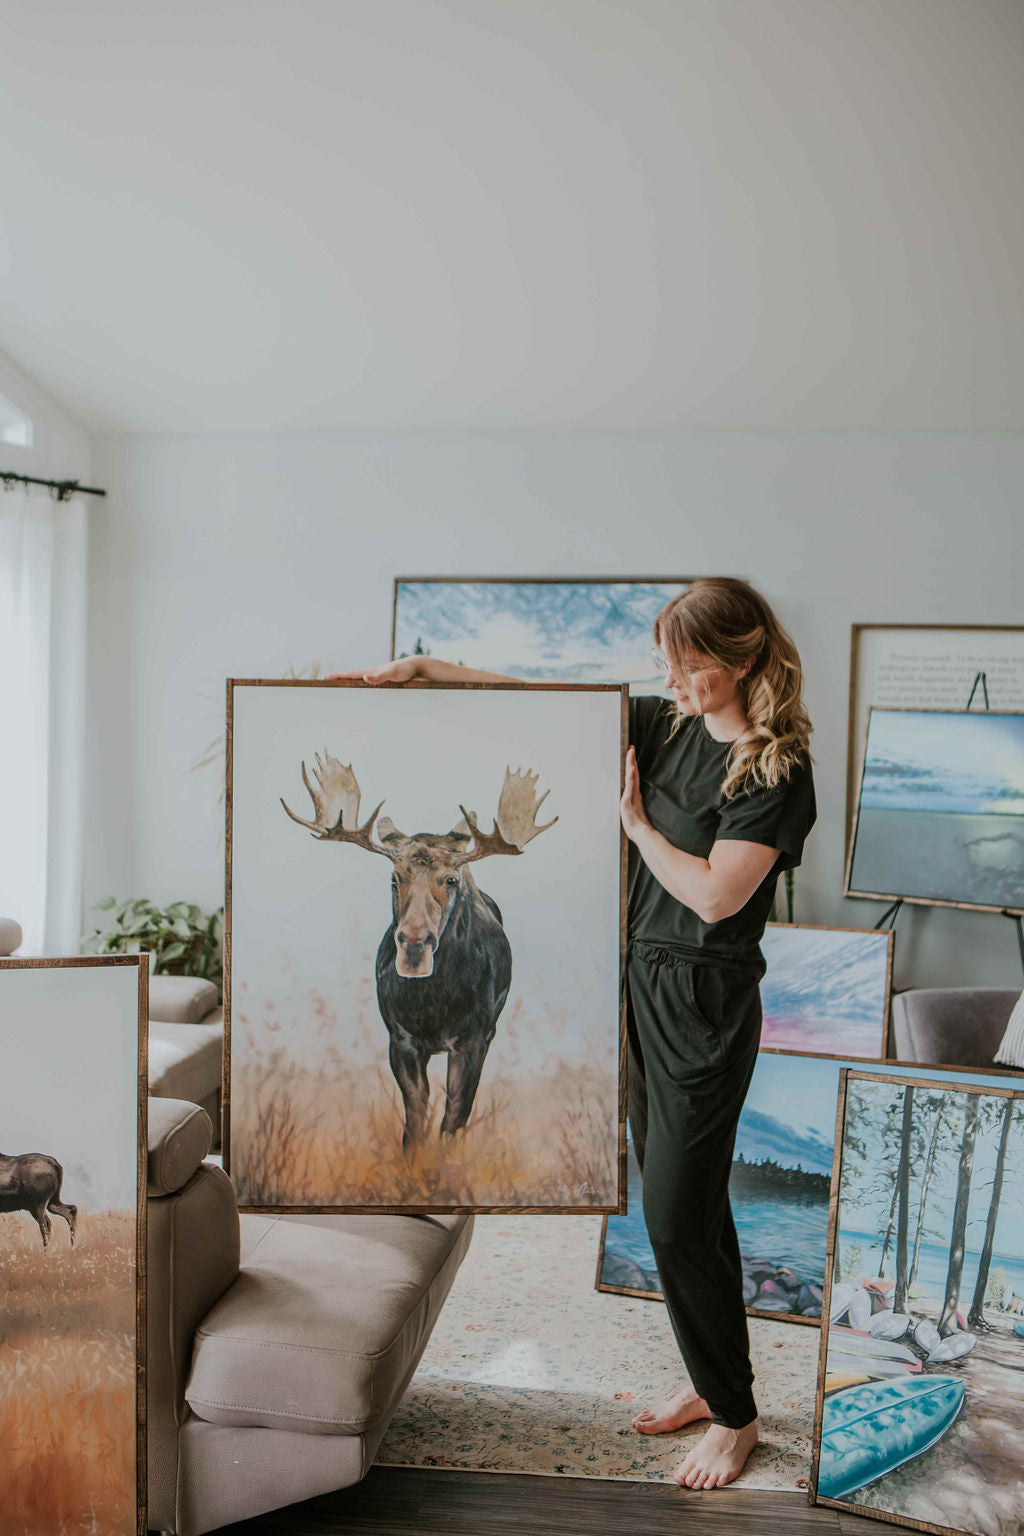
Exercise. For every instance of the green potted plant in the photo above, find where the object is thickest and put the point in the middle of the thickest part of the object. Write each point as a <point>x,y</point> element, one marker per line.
<point>181,939</point>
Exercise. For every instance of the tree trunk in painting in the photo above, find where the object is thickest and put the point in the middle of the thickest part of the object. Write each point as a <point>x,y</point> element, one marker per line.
<point>929,1169</point>
<point>889,1229</point>
<point>903,1196</point>
<point>976,1316</point>
<point>958,1234</point>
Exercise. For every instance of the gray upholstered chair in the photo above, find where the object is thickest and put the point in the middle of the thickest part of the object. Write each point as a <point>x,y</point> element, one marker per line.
<point>959,1026</point>
<point>278,1346</point>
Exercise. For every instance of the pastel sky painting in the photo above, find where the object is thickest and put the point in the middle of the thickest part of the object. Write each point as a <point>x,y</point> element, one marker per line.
<point>571,631</point>
<point>955,762</point>
<point>824,990</point>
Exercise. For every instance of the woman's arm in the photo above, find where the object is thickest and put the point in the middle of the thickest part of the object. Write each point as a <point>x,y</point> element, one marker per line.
<point>715,887</point>
<point>428,669</point>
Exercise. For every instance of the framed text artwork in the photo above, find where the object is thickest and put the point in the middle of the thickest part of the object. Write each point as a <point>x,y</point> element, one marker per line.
<point>428,1018</point>
<point>919,1414</point>
<point>940,810</point>
<point>73,1246</point>
<point>929,666</point>
<point>552,629</point>
<point>779,1190</point>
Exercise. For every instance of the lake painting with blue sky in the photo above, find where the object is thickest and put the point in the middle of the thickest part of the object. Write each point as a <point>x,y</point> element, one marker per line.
<point>779,1189</point>
<point>547,631</point>
<point>941,808</point>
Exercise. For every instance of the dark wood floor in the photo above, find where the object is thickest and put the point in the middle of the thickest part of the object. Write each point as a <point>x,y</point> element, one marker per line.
<point>399,1501</point>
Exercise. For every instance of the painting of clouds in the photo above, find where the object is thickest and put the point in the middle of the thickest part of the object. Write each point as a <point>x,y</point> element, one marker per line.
<point>554,631</point>
<point>941,812</point>
<point>779,1191</point>
<point>826,989</point>
<point>72,1240</point>
<point>423,1004</point>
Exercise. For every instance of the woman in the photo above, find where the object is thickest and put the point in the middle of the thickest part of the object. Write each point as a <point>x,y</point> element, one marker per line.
<point>718,800</point>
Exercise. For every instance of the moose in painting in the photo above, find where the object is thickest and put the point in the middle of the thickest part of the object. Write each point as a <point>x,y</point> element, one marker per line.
<point>32,1182</point>
<point>444,966</point>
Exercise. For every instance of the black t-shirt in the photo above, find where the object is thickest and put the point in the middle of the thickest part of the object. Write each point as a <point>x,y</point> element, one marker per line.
<point>680,779</point>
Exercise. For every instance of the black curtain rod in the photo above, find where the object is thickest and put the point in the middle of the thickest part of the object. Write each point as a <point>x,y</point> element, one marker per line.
<point>65,488</point>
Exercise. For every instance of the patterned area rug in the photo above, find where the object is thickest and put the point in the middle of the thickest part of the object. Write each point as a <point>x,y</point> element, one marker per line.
<point>531,1370</point>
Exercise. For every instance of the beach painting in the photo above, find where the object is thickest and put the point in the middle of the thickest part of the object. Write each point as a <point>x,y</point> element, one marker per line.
<point>72,1246</point>
<point>920,1407</point>
<point>940,814</point>
<point>826,989</point>
<point>425,896</point>
<point>546,631</point>
<point>779,1189</point>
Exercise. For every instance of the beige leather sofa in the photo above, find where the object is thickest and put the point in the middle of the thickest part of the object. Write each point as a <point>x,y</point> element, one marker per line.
<point>186,1043</point>
<point>278,1347</point>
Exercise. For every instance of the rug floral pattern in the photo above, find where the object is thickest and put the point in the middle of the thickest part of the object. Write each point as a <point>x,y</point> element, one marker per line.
<point>530,1369</point>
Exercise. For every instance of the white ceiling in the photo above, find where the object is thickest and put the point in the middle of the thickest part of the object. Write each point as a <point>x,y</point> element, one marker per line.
<point>263,215</point>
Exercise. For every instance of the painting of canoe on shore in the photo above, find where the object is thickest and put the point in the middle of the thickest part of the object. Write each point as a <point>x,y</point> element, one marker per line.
<point>920,1406</point>
<point>826,989</point>
<point>72,1247</point>
<point>779,1189</point>
<point>940,816</point>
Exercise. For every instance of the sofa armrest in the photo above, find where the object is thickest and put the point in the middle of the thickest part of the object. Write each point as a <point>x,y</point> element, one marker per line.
<point>180,1135</point>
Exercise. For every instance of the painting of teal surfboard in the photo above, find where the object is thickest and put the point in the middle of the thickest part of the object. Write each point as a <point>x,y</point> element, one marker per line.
<point>870,1430</point>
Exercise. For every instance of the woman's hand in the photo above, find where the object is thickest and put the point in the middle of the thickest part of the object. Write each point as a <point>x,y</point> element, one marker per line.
<point>631,806</point>
<point>402,671</point>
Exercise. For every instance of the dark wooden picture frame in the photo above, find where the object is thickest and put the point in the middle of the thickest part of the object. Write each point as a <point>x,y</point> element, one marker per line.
<point>848,1505</point>
<point>431,1208</point>
<point>139,963</point>
<point>858,705</point>
<point>894,896</point>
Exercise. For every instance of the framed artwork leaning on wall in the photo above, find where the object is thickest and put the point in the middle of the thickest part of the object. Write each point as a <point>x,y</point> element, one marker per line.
<point>424,1016</point>
<point>582,630</point>
<point>826,990</point>
<point>920,1406</point>
<point>73,1101</point>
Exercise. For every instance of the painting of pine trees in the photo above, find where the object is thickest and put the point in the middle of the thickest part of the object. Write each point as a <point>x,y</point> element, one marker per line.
<point>921,1399</point>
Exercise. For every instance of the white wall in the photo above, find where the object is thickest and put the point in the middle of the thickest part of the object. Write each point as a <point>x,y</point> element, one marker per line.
<point>60,449</point>
<point>221,556</point>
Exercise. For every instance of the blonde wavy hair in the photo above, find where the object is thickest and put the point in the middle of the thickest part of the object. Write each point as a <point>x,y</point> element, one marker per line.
<point>726,619</point>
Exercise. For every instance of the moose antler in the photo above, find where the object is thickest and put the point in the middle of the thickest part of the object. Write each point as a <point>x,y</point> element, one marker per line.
<point>515,824</point>
<point>336,802</point>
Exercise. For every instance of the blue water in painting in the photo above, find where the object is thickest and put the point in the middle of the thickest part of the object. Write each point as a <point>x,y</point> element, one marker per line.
<point>932,1266</point>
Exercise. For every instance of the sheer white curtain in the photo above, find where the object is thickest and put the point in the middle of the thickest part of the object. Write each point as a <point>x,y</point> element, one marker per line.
<point>43,572</point>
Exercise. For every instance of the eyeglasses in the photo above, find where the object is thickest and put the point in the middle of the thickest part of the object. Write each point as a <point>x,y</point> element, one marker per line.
<point>659,658</point>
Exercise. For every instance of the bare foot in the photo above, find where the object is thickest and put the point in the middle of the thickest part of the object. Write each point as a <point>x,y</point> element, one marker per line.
<point>719,1458</point>
<point>682,1409</point>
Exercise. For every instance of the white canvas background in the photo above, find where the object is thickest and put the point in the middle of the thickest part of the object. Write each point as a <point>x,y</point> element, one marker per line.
<point>307,917</point>
<point>69,1085</point>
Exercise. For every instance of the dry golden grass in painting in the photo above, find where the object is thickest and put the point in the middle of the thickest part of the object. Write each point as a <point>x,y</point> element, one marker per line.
<point>332,1134</point>
<point>67,1378</point>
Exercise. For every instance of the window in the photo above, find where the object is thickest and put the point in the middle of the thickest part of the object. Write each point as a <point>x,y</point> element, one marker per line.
<point>15,426</point>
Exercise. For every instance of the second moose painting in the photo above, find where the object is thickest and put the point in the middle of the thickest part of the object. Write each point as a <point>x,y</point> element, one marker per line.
<point>425,937</point>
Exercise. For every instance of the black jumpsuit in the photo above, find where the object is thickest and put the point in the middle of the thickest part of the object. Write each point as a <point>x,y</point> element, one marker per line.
<point>693,1014</point>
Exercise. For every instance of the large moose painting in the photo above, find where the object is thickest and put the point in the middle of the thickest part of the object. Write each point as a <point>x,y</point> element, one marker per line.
<point>420,1042</point>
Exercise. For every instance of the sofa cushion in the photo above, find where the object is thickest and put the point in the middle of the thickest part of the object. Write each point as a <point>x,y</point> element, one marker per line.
<point>179,1139</point>
<point>181,999</point>
<point>185,1060</point>
<point>326,1322</point>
